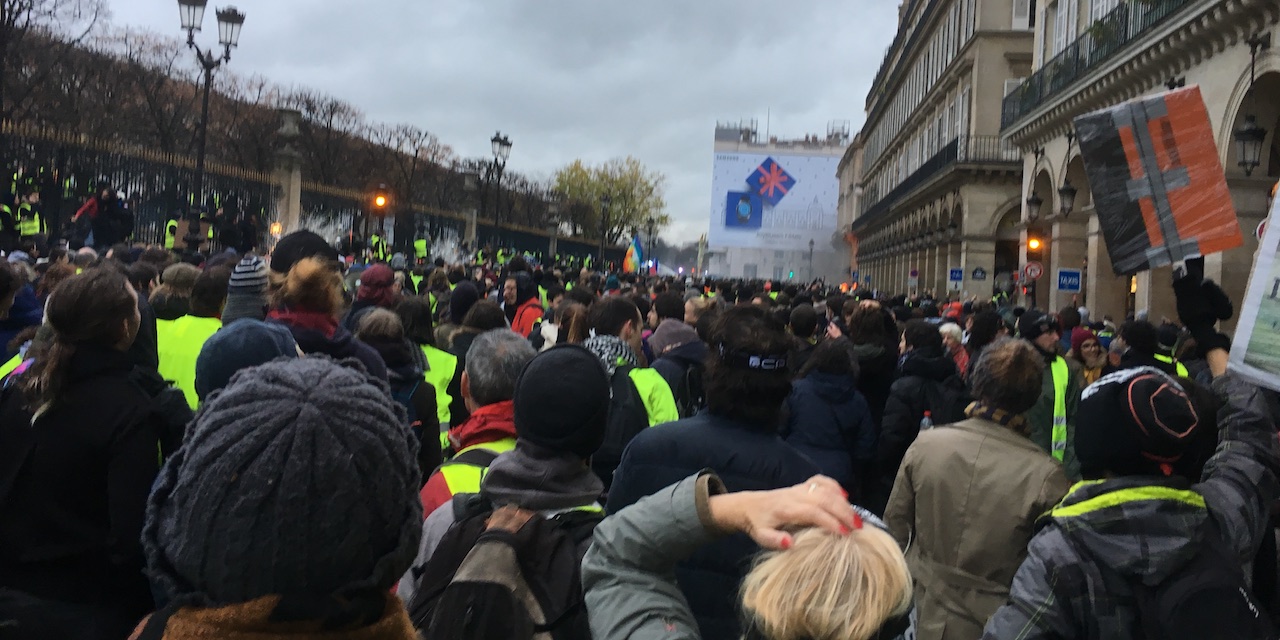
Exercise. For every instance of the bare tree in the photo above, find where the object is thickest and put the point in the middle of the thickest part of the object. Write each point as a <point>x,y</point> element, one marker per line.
<point>58,26</point>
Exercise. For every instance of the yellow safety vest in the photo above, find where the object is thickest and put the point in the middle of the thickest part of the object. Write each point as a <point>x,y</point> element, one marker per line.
<point>1061,374</point>
<point>542,295</point>
<point>420,248</point>
<point>432,297</point>
<point>417,283</point>
<point>170,234</point>
<point>462,477</point>
<point>441,366</point>
<point>9,366</point>
<point>29,221</point>
<point>178,343</point>
<point>1182,371</point>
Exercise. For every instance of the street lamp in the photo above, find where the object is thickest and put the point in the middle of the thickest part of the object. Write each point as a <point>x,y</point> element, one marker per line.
<point>651,228</point>
<point>1067,193</point>
<point>501,151</point>
<point>1249,137</point>
<point>605,201</point>
<point>810,259</point>
<point>229,22</point>
<point>1033,206</point>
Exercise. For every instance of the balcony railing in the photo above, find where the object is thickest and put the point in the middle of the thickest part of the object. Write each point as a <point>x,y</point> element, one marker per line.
<point>1105,38</point>
<point>962,150</point>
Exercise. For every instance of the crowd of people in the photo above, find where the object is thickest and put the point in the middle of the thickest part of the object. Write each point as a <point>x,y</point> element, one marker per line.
<point>291,446</point>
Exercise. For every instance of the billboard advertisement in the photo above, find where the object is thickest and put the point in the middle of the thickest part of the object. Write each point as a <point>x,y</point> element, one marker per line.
<point>773,201</point>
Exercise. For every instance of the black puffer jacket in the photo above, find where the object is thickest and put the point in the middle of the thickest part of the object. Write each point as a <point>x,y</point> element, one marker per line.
<point>924,382</point>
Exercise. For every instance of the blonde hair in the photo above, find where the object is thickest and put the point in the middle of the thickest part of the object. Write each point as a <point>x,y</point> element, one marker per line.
<point>828,586</point>
<point>311,285</point>
<point>700,306</point>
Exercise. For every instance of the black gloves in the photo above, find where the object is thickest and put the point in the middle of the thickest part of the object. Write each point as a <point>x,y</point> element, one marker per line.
<point>1201,304</point>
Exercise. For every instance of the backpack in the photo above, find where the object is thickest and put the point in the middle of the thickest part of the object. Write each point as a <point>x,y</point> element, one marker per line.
<point>627,418</point>
<point>1205,599</point>
<point>946,400</point>
<point>404,395</point>
<point>508,574</point>
<point>690,395</point>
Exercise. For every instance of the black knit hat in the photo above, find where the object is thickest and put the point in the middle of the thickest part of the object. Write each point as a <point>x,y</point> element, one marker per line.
<point>298,246</point>
<point>562,401</point>
<point>1134,422</point>
<point>299,478</point>
<point>1035,323</point>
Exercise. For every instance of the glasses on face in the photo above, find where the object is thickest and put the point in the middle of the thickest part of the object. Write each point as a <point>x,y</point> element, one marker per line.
<point>1090,346</point>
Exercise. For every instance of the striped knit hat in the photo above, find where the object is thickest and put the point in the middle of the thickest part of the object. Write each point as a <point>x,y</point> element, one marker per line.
<point>249,276</point>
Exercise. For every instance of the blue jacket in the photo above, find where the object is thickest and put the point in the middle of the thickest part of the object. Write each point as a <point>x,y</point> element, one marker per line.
<point>829,421</point>
<point>747,458</point>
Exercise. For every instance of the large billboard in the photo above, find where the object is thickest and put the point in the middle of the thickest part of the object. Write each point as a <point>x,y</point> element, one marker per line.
<point>773,201</point>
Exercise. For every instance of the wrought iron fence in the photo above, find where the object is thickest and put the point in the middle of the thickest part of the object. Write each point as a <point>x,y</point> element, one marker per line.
<point>1110,34</point>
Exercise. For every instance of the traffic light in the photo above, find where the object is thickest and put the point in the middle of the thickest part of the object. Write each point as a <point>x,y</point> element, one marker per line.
<point>1033,244</point>
<point>381,200</point>
<point>791,274</point>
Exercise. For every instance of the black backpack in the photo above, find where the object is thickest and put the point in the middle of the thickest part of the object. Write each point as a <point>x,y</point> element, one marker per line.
<point>627,418</point>
<point>690,396</point>
<point>491,584</point>
<point>946,400</point>
<point>1205,599</point>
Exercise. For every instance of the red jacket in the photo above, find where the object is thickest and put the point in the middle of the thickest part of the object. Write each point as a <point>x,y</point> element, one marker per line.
<point>527,315</point>
<point>488,424</point>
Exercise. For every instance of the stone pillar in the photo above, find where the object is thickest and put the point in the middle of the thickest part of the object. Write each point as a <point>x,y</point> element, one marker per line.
<point>472,225</point>
<point>975,253</point>
<point>553,235</point>
<point>1155,295</point>
<point>1106,294</point>
<point>1069,251</point>
<point>288,173</point>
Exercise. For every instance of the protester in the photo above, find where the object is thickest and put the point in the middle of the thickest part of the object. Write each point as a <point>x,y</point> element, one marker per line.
<point>984,327</point>
<point>441,369</point>
<point>1053,418</point>
<point>524,307</point>
<point>679,355</point>
<point>378,289</point>
<point>237,347</point>
<point>839,576</point>
<point>179,341</point>
<point>953,345</point>
<point>983,472</point>
<point>828,419</point>
<point>290,511</point>
<point>305,293</point>
<point>172,299</point>
<point>246,291</point>
<point>1119,556</point>
<point>488,386</point>
<point>641,397</point>
<point>803,323</point>
<point>1087,351</point>
<point>747,383</point>
<point>382,329</point>
<point>875,336</point>
<point>547,471</point>
<point>461,299</point>
<point>78,445</point>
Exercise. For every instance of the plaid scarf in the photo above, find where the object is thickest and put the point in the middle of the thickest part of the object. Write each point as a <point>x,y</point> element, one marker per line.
<point>1014,421</point>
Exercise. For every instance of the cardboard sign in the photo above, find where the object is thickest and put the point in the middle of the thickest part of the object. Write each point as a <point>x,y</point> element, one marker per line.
<point>1158,186</point>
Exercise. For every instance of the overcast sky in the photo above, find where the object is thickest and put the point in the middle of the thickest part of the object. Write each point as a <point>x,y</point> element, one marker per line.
<point>566,79</point>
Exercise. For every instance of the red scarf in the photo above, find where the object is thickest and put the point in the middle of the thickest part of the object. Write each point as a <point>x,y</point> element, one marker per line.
<point>313,320</point>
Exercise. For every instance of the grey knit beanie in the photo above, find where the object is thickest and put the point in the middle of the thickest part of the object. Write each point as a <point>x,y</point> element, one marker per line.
<point>300,477</point>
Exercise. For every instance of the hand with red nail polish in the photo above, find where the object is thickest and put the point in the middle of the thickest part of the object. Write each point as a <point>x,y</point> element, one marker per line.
<point>766,516</point>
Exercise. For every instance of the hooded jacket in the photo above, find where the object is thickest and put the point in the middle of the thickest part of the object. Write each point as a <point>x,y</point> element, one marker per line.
<point>1103,530</point>
<point>875,365</point>
<point>490,423</point>
<point>674,365</point>
<point>319,333</point>
<point>747,457</point>
<point>829,421</point>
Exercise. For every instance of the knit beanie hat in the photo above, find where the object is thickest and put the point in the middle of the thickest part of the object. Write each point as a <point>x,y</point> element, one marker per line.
<point>298,479</point>
<point>376,285</point>
<point>464,296</point>
<point>1133,422</point>
<point>297,246</point>
<point>246,291</point>
<point>1034,323</point>
<point>1079,336</point>
<point>247,343</point>
<point>671,333</point>
<point>562,401</point>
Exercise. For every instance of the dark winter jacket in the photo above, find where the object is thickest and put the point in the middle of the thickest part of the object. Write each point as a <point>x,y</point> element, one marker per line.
<point>27,311</point>
<point>1073,583</point>
<point>747,457</point>
<point>73,488</point>
<point>924,380</point>
<point>828,420</point>
<point>359,308</point>
<point>170,307</point>
<point>317,333</point>
<point>674,365</point>
<point>876,364</point>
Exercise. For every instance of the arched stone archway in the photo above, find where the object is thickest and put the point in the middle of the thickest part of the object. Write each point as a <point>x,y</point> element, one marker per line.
<point>1263,103</point>
<point>1076,176</point>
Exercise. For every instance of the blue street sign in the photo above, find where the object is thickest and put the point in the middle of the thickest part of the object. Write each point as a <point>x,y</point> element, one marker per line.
<point>957,275</point>
<point>1069,280</point>
<point>853,275</point>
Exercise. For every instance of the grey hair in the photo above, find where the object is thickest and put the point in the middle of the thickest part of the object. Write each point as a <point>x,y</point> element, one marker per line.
<point>951,330</point>
<point>494,362</point>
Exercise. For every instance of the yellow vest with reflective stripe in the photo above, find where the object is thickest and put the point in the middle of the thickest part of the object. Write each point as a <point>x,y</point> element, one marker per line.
<point>441,366</point>
<point>461,477</point>
<point>420,248</point>
<point>178,343</point>
<point>9,366</point>
<point>1061,374</point>
<point>417,284</point>
<point>29,221</point>
<point>170,234</point>
<point>1182,371</point>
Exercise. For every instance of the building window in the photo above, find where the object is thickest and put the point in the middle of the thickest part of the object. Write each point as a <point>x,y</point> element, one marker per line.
<point>1100,8</point>
<point>1064,27</point>
<point>1022,15</point>
<point>1011,85</point>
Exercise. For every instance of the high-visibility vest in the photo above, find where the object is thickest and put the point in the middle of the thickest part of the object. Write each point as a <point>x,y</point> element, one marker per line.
<point>170,234</point>
<point>420,248</point>
<point>462,477</point>
<point>8,367</point>
<point>378,247</point>
<point>30,222</point>
<point>1061,374</point>
<point>1182,371</point>
<point>178,343</point>
<point>417,283</point>
<point>542,295</point>
<point>440,369</point>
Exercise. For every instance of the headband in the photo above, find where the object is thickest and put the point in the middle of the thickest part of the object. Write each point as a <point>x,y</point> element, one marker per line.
<point>758,361</point>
